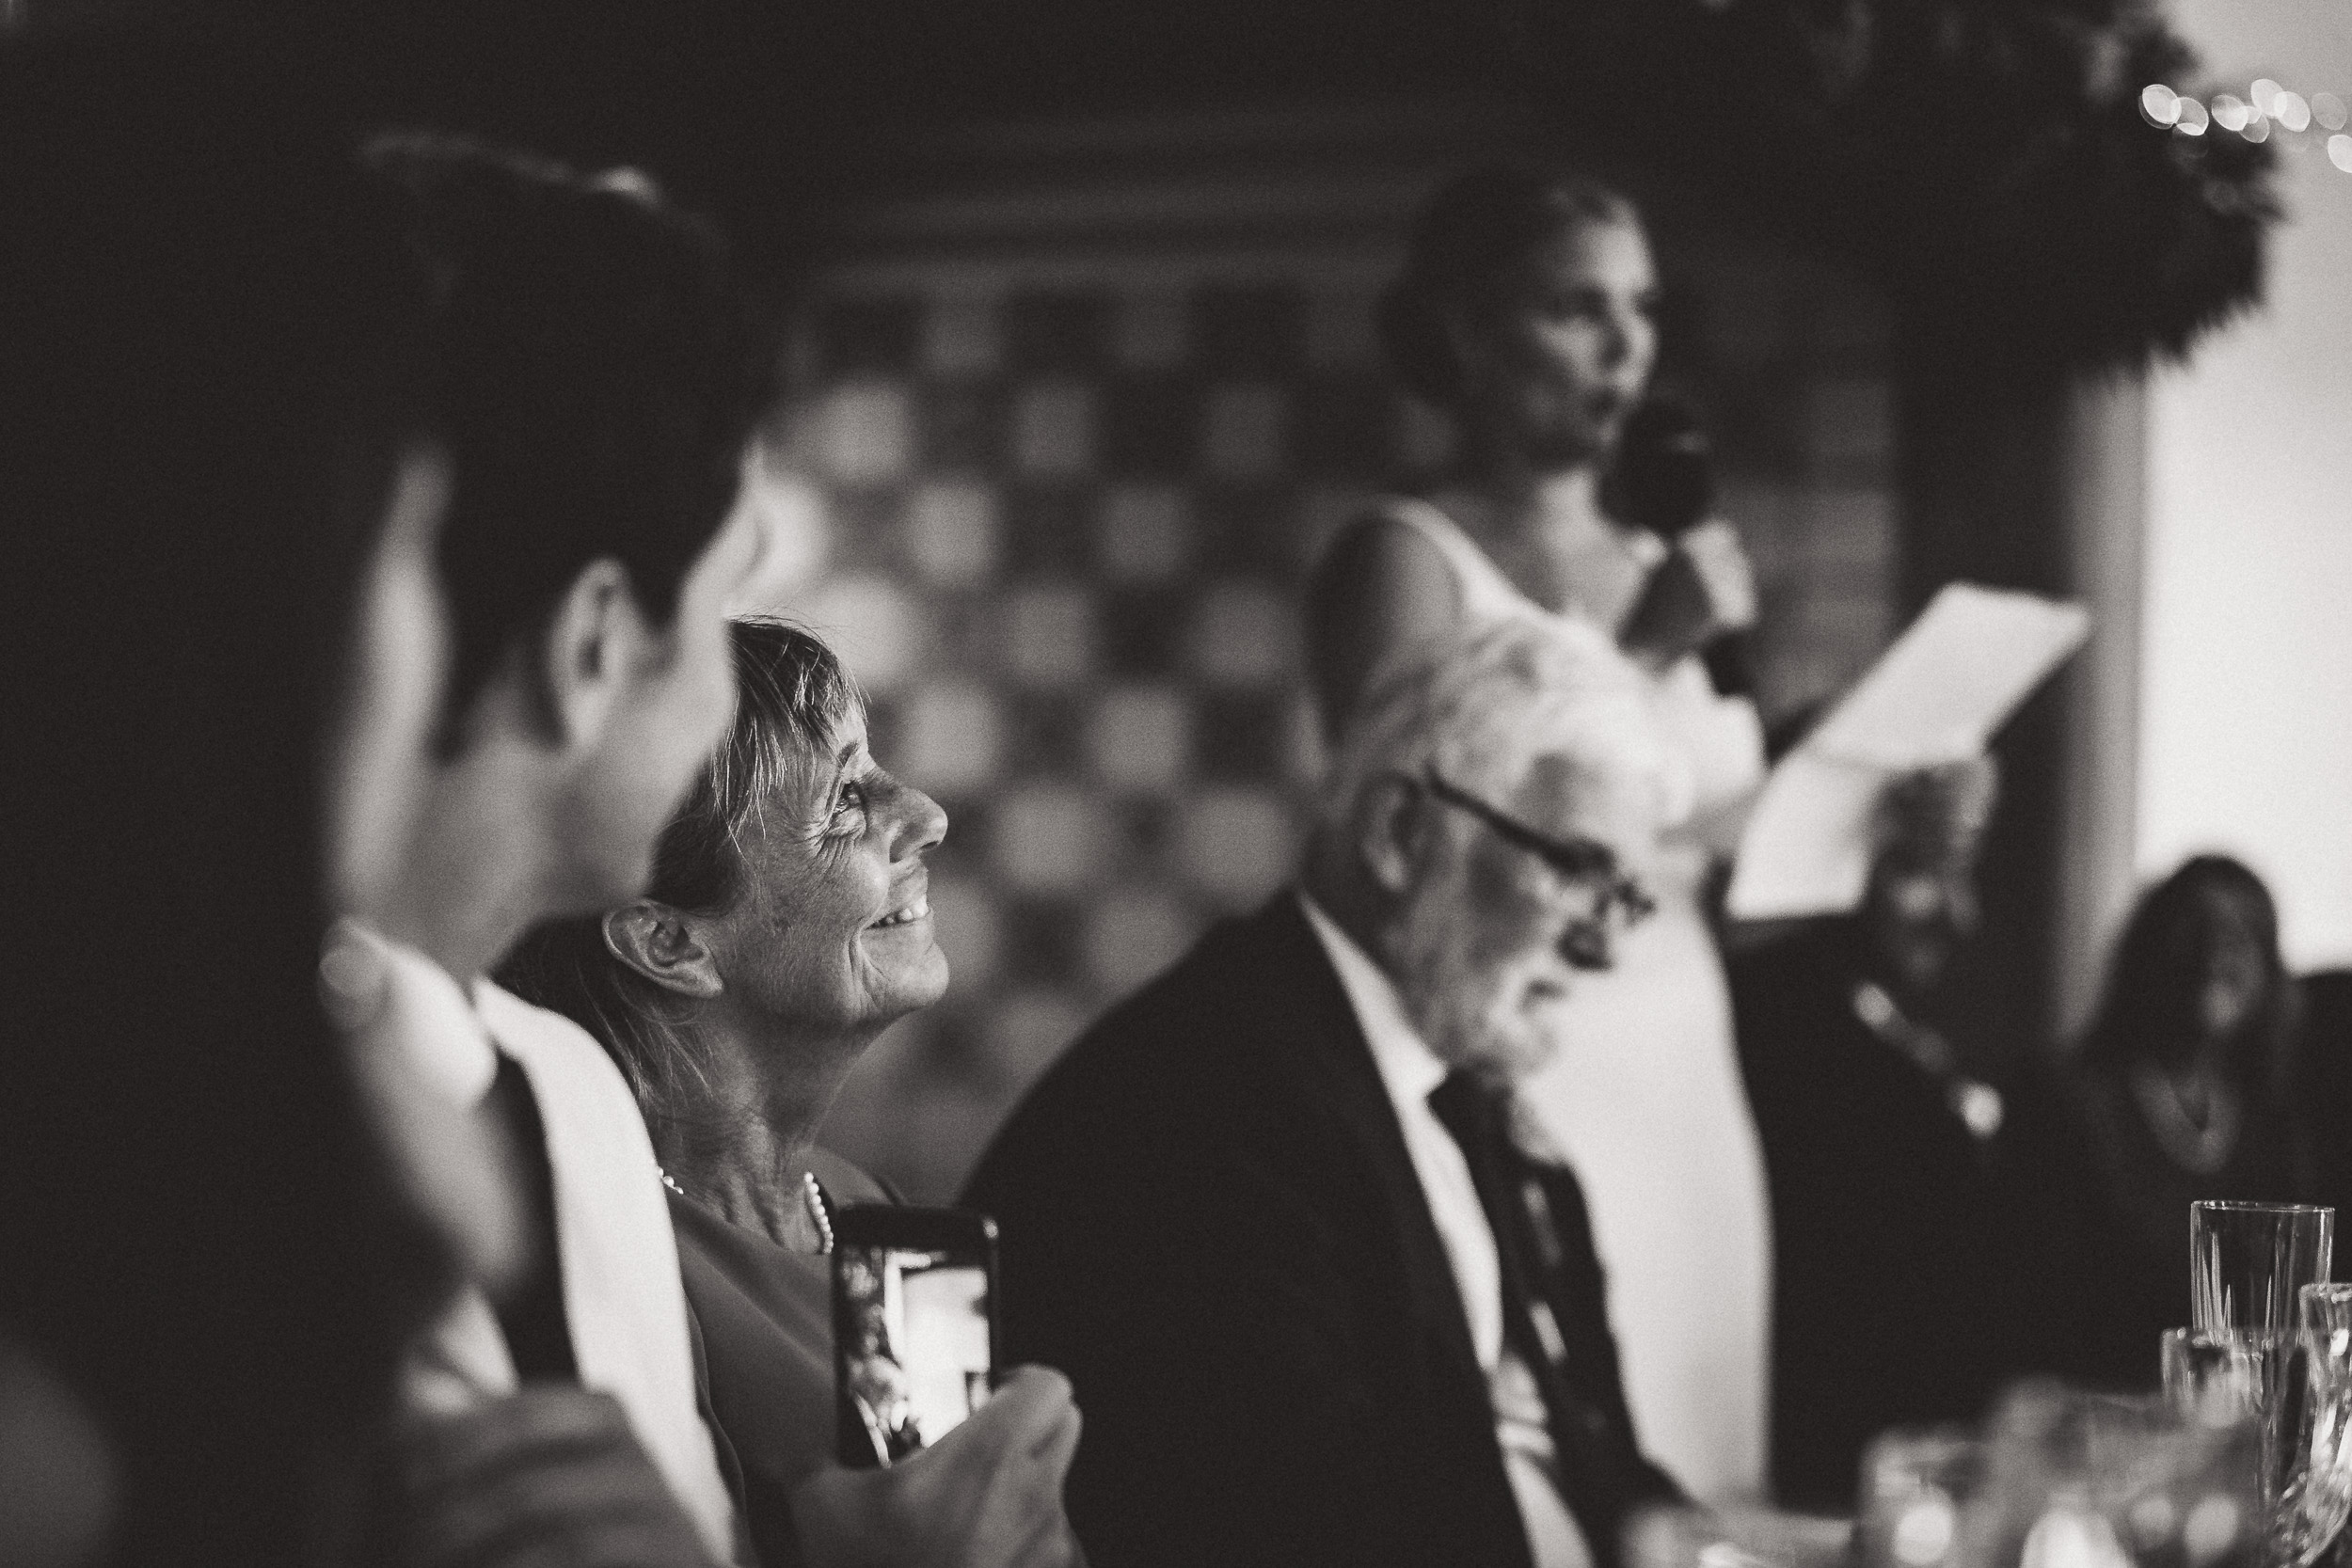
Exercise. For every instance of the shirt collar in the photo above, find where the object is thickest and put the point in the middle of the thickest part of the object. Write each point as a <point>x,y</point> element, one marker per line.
<point>1409,1069</point>
<point>428,1019</point>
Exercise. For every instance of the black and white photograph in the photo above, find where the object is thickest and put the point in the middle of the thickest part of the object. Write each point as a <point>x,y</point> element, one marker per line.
<point>1176,783</point>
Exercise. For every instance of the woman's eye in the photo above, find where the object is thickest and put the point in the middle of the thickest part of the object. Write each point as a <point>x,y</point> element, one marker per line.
<point>849,801</point>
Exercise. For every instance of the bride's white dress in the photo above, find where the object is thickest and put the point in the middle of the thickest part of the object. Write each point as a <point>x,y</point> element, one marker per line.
<point>1644,1096</point>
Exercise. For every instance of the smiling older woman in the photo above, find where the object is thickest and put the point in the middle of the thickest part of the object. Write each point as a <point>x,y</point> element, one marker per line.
<point>787,926</point>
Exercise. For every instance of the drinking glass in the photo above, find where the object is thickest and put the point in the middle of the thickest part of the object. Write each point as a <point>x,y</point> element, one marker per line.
<point>2248,1262</point>
<point>2326,1306</point>
<point>1916,1485</point>
<point>2073,1480</point>
<point>2295,1386</point>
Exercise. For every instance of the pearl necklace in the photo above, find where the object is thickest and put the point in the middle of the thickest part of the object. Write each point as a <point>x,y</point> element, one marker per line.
<point>811,1194</point>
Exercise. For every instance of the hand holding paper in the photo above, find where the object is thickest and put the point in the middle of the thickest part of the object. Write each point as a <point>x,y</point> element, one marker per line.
<point>1938,695</point>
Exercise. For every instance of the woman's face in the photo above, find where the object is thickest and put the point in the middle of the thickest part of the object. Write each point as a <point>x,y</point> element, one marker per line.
<point>1563,347</point>
<point>2231,971</point>
<point>833,934</point>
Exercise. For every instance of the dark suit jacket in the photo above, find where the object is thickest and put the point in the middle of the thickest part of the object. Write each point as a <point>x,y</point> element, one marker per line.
<point>1209,1220</point>
<point>1888,1301</point>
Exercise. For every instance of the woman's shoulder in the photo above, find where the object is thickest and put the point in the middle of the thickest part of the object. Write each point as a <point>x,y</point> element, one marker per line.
<point>1405,559</point>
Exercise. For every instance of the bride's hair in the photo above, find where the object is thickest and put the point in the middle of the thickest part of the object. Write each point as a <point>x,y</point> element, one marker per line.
<point>1471,229</point>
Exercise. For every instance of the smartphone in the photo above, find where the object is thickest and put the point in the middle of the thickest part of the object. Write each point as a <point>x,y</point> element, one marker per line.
<point>913,1326</point>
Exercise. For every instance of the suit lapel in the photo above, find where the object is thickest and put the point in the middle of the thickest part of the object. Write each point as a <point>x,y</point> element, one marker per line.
<point>1320,1042</point>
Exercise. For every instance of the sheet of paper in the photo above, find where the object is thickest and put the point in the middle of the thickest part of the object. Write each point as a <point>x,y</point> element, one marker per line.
<point>1951,680</point>
<point>1938,695</point>
<point>1807,847</point>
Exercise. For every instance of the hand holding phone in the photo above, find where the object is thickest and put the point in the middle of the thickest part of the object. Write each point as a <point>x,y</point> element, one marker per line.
<point>987,1495</point>
<point>913,1326</point>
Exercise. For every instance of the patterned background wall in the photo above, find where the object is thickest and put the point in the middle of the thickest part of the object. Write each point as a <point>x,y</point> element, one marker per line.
<point>1066,492</point>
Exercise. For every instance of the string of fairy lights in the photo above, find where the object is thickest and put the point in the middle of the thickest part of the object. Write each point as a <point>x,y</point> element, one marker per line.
<point>2267,110</point>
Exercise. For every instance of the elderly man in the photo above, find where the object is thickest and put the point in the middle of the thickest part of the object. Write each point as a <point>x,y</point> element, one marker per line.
<point>1323,1298</point>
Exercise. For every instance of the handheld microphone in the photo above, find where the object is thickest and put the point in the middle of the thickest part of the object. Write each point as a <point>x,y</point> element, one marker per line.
<point>1663,481</point>
<point>1665,476</point>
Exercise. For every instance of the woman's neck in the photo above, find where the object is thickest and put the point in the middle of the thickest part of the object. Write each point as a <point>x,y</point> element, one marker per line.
<point>745,1152</point>
<point>1519,501</point>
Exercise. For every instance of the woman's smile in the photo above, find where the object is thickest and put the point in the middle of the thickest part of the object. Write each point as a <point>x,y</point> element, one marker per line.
<point>918,908</point>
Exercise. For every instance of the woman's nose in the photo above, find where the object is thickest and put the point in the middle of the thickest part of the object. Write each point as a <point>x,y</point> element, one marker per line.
<point>922,823</point>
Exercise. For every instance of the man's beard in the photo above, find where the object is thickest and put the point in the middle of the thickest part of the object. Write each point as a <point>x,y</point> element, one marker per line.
<point>1472,1009</point>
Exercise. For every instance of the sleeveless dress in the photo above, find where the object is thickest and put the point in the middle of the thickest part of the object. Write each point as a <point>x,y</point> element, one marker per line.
<point>1645,1098</point>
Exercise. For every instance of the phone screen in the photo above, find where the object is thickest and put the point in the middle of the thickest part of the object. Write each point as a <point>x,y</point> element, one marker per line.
<point>911,1327</point>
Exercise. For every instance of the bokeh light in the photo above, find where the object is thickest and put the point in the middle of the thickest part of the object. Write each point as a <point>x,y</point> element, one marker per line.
<point>2264,92</point>
<point>2339,152</point>
<point>2231,112</point>
<point>2193,118</point>
<point>2257,129</point>
<point>2327,109</point>
<point>2159,106</point>
<point>2290,110</point>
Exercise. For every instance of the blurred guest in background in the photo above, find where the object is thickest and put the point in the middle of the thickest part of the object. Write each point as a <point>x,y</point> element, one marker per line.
<point>787,924</point>
<point>2178,1091</point>
<point>1885,1213</point>
<point>206,1270</point>
<point>1327,1295</point>
<point>1527,312</point>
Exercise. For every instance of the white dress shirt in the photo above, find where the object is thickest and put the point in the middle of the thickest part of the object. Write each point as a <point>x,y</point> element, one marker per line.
<point>1409,1071</point>
<point>623,1302</point>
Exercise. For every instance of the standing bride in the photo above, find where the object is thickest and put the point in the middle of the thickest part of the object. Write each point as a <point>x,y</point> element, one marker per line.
<point>1526,311</point>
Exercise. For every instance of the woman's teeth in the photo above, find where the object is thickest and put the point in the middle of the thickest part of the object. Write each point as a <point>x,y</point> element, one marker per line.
<point>907,916</point>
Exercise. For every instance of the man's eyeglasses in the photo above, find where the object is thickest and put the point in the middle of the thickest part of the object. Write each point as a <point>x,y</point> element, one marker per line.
<point>1579,862</point>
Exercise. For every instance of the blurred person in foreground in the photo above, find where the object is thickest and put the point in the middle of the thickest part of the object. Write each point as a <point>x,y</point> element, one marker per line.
<point>208,1267</point>
<point>2180,1089</point>
<point>1527,313</point>
<point>583,380</point>
<point>1885,1206</point>
<point>1324,1293</point>
<point>787,924</point>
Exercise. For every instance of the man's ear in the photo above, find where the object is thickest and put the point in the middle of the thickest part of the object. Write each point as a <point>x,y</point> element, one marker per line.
<point>595,640</point>
<point>1389,827</point>
<point>659,944</point>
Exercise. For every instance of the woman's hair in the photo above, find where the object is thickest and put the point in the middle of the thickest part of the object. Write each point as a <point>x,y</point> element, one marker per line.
<point>1465,237</point>
<point>202,303</point>
<point>586,354</point>
<point>792,693</point>
<point>2151,999</point>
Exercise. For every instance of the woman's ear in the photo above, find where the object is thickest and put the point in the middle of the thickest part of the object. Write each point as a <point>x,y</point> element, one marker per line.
<point>659,944</point>
<point>1389,827</point>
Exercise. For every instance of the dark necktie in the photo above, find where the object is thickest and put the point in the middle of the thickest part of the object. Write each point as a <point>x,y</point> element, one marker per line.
<point>1554,1314</point>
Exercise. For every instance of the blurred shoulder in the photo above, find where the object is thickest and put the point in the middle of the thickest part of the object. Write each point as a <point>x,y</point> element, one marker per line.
<point>1181,1066</point>
<point>1392,546</point>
